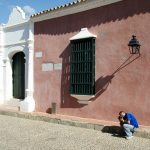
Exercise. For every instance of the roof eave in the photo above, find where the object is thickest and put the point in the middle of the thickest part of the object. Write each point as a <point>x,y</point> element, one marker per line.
<point>80,6</point>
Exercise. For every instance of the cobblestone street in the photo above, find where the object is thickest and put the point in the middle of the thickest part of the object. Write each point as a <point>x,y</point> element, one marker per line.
<point>23,134</point>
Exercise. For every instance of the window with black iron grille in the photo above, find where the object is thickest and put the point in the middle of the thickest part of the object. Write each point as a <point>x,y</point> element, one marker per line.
<point>82,67</point>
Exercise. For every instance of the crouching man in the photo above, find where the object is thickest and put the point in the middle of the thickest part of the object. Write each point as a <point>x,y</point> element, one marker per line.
<point>128,122</point>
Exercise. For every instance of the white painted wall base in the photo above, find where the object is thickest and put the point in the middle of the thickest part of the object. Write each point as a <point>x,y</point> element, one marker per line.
<point>1,101</point>
<point>1,97</point>
<point>28,105</point>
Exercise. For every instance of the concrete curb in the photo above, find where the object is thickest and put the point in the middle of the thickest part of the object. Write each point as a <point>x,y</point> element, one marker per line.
<point>142,132</point>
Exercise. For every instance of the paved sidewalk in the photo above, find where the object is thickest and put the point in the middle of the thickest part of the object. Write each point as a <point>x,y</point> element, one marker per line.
<point>26,134</point>
<point>104,126</point>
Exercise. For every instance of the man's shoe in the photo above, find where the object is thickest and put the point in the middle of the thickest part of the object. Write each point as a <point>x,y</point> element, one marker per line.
<point>129,137</point>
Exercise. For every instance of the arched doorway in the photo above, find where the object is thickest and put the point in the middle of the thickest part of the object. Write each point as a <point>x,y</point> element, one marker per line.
<point>18,75</point>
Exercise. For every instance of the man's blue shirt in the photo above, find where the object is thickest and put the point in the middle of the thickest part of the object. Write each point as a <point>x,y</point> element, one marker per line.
<point>130,117</point>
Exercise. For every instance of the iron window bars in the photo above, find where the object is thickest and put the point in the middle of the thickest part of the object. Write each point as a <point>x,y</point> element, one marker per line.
<point>82,66</point>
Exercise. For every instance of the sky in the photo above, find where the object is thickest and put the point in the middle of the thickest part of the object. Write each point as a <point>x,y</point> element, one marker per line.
<point>29,6</point>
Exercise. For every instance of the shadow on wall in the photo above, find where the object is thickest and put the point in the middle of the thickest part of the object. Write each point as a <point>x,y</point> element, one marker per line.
<point>66,100</point>
<point>110,13</point>
<point>101,84</point>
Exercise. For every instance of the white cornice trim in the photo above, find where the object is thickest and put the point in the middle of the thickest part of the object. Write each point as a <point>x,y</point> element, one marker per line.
<point>83,99</point>
<point>7,27</point>
<point>23,42</point>
<point>87,5</point>
<point>84,33</point>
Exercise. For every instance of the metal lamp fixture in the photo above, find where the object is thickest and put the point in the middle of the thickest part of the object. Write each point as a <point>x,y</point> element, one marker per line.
<point>134,45</point>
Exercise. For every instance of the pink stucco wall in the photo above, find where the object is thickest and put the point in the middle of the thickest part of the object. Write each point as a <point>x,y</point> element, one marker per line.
<point>122,80</point>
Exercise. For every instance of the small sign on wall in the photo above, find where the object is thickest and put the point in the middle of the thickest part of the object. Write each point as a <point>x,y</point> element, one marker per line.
<point>58,66</point>
<point>38,54</point>
<point>47,67</point>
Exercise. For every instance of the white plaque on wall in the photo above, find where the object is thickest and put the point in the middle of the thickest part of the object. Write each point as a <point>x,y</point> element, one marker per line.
<point>47,67</point>
<point>58,66</point>
<point>38,54</point>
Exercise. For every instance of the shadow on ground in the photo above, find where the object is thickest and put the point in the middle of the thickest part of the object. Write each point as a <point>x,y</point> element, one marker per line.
<point>116,131</point>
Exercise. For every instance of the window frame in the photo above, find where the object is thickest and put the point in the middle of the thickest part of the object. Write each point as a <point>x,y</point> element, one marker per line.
<point>80,53</point>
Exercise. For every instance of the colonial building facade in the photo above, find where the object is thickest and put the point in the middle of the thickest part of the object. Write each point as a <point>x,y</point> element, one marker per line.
<point>16,61</point>
<point>82,63</point>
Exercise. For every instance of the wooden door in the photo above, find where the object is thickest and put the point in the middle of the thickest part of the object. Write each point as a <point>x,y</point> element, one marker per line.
<point>18,69</point>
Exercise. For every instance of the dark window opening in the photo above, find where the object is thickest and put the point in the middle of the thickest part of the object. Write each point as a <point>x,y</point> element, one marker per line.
<point>82,67</point>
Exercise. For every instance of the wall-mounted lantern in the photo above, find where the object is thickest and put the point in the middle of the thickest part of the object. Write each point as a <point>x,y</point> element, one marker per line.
<point>134,45</point>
